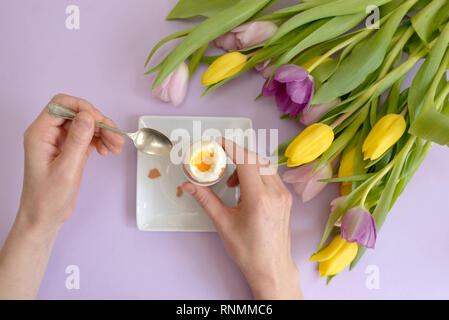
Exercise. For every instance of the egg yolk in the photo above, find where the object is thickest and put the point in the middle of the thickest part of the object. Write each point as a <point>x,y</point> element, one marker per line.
<point>203,161</point>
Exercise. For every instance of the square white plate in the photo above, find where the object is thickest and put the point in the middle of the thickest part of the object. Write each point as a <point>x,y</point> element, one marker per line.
<point>158,207</point>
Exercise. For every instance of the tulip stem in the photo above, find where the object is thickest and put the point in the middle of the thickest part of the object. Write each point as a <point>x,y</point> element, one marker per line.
<point>342,118</point>
<point>322,58</point>
<point>404,111</point>
<point>386,169</point>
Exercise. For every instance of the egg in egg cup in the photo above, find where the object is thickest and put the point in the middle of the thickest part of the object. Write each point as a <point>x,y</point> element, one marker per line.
<point>205,162</point>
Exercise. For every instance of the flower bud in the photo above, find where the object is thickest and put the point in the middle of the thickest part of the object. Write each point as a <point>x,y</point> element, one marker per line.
<point>224,67</point>
<point>174,88</point>
<point>246,35</point>
<point>359,226</point>
<point>334,203</point>
<point>292,87</point>
<point>312,142</point>
<point>305,182</point>
<point>316,111</point>
<point>335,257</point>
<point>385,133</point>
<point>346,169</point>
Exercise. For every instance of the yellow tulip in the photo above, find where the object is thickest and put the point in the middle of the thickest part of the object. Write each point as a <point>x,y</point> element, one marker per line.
<point>335,257</point>
<point>327,253</point>
<point>346,169</point>
<point>312,142</point>
<point>385,133</point>
<point>224,67</point>
<point>311,62</point>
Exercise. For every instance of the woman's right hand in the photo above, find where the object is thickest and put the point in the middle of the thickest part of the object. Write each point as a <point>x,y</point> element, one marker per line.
<point>256,233</point>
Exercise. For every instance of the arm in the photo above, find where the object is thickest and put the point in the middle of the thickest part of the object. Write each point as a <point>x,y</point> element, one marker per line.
<point>256,233</point>
<point>56,152</point>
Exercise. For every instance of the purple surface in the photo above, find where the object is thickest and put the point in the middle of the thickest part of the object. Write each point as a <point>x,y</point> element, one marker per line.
<point>103,63</point>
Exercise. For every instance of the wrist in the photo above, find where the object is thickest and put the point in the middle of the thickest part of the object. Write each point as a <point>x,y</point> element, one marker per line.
<point>282,284</point>
<point>28,223</point>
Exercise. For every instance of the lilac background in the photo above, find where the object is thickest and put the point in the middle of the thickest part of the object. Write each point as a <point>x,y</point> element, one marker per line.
<point>103,62</point>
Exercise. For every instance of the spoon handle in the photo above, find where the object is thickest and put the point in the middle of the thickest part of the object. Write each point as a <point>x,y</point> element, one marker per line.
<point>59,111</point>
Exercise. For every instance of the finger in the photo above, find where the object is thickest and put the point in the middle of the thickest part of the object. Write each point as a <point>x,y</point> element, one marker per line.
<point>76,104</point>
<point>246,164</point>
<point>111,140</point>
<point>233,180</point>
<point>208,200</point>
<point>101,148</point>
<point>268,174</point>
<point>90,149</point>
<point>75,149</point>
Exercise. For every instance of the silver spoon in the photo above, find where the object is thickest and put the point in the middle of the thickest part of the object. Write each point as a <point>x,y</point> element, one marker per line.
<point>146,140</point>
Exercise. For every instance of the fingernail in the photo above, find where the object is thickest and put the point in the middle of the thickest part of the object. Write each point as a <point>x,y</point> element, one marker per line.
<point>83,121</point>
<point>189,188</point>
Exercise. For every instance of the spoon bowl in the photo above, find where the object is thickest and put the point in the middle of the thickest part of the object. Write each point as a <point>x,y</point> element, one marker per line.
<point>151,142</point>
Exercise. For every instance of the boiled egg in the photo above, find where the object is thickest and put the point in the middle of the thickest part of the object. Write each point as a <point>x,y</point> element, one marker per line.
<point>205,162</point>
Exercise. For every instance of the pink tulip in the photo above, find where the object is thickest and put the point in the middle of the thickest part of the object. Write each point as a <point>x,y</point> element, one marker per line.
<point>334,203</point>
<point>316,111</point>
<point>246,35</point>
<point>264,68</point>
<point>174,88</point>
<point>304,183</point>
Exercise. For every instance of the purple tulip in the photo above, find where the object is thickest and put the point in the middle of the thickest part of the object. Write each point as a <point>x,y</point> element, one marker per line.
<point>359,226</point>
<point>246,35</point>
<point>292,87</point>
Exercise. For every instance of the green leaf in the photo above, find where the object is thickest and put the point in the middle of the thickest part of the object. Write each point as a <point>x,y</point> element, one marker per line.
<point>365,58</point>
<point>436,85</point>
<point>325,70</point>
<point>384,160</point>
<point>392,102</point>
<point>335,27</point>
<point>280,151</point>
<point>331,9</point>
<point>290,11</point>
<point>207,31</point>
<point>359,177</point>
<point>186,9</point>
<point>432,126</point>
<point>196,59</point>
<point>321,48</point>
<point>426,73</point>
<point>282,160</point>
<point>208,59</point>
<point>173,36</point>
<point>427,21</point>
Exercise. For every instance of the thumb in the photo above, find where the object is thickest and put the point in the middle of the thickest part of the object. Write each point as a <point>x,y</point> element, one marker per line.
<point>78,139</point>
<point>208,200</point>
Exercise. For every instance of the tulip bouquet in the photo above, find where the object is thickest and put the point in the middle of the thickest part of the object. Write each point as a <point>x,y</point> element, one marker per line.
<point>332,67</point>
